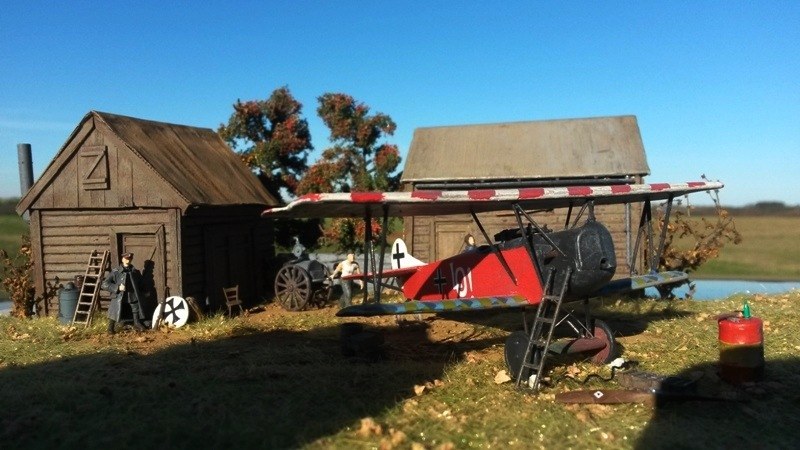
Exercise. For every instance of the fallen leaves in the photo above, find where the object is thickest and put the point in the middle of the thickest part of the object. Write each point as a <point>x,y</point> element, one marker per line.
<point>419,389</point>
<point>394,438</point>
<point>369,428</point>
<point>502,377</point>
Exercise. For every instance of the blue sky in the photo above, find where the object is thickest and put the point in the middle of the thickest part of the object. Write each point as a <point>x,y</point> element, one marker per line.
<point>715,85</point>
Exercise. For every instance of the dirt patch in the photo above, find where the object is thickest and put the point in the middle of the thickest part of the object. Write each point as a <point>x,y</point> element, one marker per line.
<point>400,332</point>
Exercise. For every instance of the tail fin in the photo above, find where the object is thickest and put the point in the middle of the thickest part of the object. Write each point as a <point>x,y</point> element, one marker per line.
<point>401,258</point>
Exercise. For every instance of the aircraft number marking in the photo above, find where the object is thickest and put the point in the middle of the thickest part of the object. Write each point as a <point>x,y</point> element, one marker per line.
<point>462,281</point>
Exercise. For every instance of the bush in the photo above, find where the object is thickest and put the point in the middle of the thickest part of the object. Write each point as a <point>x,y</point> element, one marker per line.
<point>16,277</point>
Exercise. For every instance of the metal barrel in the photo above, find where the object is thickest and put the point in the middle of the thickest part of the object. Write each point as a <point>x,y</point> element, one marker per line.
<point>741,349</point>
<point>67,302</point>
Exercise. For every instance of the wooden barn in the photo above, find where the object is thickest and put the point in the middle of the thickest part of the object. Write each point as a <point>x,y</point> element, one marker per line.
<point>175,196</point>
<point>604,150</point>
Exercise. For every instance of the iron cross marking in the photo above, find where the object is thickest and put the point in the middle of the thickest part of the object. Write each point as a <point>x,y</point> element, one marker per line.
<point>440,281</point>
<point>171,316</point>
<point>398,255</point>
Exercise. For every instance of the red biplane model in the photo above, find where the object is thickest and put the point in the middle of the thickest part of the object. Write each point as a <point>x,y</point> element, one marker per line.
<point>527,267</point>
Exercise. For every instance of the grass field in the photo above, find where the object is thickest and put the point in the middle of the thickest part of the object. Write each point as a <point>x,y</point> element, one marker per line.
<point>11,229</point>
<point>770,250</point>
<point>276,379</point>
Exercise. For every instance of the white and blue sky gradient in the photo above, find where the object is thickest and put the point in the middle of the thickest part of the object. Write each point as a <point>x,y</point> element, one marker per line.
<point>715,85</point>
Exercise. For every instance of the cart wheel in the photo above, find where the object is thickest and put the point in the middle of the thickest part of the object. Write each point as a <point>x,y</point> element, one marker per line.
<point>293,287</point>
<point>609,352</point>
<point>516,344</point>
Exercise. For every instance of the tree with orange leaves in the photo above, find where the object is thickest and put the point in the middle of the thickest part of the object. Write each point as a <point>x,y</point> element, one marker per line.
<point>357,161</point>
<point>273,139</point>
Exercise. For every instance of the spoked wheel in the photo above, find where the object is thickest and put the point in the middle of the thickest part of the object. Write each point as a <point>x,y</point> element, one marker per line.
<point>600,330</point>
<point>516,344</point>
<point>293,287</point>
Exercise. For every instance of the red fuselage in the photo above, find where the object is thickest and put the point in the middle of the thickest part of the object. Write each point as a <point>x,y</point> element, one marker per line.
<point>588,251</point>
<point>475,274</point>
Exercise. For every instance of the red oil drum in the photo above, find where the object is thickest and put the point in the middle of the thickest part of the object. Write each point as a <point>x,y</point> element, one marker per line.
<point>741,349</point>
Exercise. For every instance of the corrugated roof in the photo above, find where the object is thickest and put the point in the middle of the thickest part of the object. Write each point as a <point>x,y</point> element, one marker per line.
<point>196,161</point>
<point>569,148</point>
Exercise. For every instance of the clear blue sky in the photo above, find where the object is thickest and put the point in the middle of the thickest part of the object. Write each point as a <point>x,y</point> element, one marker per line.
<point>715,85</point>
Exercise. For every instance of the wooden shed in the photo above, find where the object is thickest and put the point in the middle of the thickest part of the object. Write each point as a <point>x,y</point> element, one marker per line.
<point>592,151</point>
<point>175,196</point>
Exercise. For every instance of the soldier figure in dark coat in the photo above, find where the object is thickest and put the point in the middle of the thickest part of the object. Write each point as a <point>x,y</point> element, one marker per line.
<point>123,283</point>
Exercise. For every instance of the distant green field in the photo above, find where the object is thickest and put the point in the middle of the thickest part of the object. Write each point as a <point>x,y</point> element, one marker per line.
<point>770,250</point>
<point>12,228</point>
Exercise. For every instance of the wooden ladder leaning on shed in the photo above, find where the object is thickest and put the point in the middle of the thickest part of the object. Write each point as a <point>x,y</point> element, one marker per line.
<point>90,290</point>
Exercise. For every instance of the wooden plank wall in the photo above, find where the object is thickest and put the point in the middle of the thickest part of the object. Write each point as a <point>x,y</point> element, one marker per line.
<point>68,237</point>
<point>217,223</point>
<point>131,182</point>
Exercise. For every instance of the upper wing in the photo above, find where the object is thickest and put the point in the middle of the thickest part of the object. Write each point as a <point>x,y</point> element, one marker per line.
<point>429,203</point>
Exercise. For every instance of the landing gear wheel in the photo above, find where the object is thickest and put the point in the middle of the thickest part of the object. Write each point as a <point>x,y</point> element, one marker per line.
<point>293,287</point>
<point>516,344</point>
<point>609,352</point>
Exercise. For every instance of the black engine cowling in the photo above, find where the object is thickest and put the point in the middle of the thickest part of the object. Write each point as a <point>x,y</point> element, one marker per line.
<point>588,250</point>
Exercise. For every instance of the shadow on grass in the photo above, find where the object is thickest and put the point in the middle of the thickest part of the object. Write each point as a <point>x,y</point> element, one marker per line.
<point>767,415</point>
<point>622,323</point>
<point>256,390</point>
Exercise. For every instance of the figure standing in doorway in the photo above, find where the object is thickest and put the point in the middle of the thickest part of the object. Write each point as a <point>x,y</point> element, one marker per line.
<point>347,267</point>
<point>123,283</point>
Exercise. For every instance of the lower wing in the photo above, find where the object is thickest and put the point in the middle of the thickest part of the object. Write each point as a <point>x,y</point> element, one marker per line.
<point>477,304</point>
<point>416,306</point>
<point>642,281</point>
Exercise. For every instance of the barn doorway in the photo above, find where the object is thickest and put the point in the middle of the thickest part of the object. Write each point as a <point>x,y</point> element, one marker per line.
<point>147,246</point>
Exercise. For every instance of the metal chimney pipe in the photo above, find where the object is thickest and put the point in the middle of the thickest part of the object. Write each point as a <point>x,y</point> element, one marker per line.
<point>25,171</point>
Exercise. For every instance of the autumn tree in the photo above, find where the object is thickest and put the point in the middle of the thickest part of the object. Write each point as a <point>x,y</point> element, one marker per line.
<point>273,139</point>
<point>691,242</point>
<point>358,160</point>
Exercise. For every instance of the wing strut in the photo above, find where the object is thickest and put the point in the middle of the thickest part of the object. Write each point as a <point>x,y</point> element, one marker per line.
<point>662,239</point>
<point>493,246</point>
<point>589,205</point>
<point>527,241</point>
<point>518,210</point>
<point>644,221</point>
<point>379,280</point>
<point>646,226</point>
<point>367,248</point>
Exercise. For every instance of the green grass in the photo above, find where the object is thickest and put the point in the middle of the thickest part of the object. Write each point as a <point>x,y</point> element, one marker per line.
<point>12,227</point>
<point>277,381</point>
<point>770,250</point>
